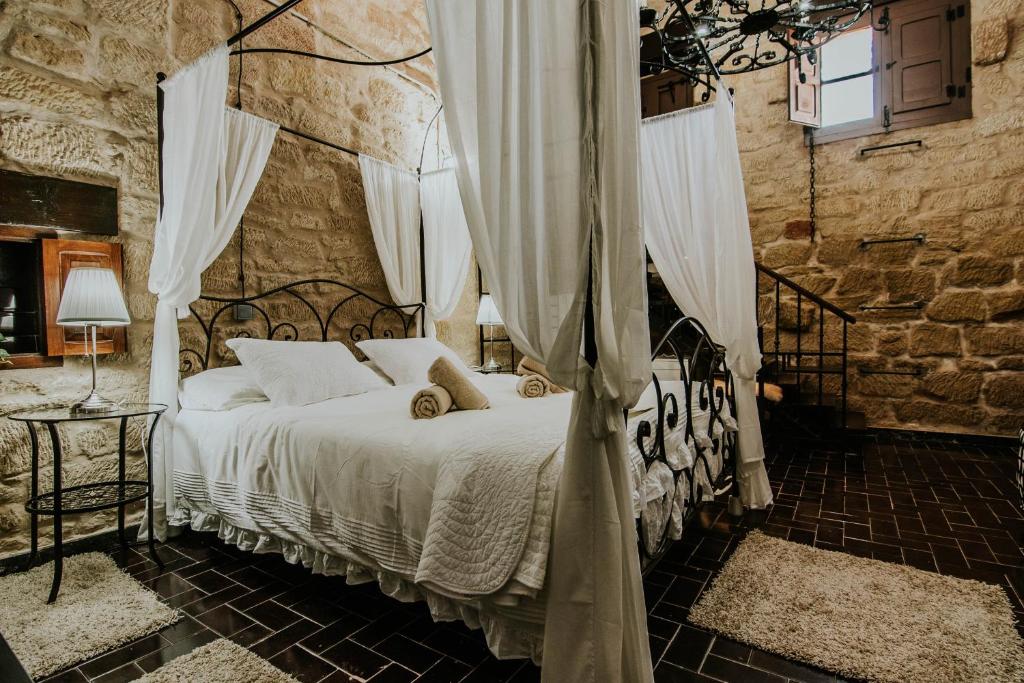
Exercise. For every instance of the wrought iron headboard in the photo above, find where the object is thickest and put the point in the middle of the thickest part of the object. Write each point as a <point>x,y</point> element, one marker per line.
<point>706,381</point>
<point>368,318</point>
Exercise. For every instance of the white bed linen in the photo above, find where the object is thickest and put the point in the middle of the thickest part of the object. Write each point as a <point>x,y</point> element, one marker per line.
<point>354,483</point>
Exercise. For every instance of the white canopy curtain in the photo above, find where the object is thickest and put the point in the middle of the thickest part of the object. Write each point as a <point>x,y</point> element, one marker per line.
<point>542,103</point>
<point>698,234</point>
<point>446,243</point>
<point>393,203</point>
<point>213,156</point>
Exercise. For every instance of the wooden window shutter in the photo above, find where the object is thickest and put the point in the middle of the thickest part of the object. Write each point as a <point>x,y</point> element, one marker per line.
<point>664,93</point>
<point>805,91</point>
<point>59,257</point>
<point>920,63</point>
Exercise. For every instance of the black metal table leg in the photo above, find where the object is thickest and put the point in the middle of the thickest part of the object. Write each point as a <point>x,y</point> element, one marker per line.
<point>58,534</point>
<point>33,517</point>
<point>149,498</point>
<point>120,480</point>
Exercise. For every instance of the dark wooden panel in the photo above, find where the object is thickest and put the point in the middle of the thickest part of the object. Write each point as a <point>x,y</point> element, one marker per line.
<point>54,203</point>
<point>59,257</point>
<point>922,72</point>
<point>664,93</point>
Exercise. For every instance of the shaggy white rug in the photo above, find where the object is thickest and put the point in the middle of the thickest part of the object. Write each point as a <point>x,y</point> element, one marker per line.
<point>99,607</point>
<point>862,618</point>
<point>219,662</point>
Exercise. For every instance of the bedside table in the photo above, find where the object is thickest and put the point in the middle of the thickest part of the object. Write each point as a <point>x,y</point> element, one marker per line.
<point>86,497</point>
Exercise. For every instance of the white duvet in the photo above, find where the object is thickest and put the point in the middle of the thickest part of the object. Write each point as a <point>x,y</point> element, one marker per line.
<point>461,504</point>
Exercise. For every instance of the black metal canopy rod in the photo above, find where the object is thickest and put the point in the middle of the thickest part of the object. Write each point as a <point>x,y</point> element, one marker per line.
<point>264,20</point>
<point>328,58</point>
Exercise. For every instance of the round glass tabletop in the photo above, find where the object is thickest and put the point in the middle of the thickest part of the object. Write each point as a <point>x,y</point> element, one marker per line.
<point>64,414</point>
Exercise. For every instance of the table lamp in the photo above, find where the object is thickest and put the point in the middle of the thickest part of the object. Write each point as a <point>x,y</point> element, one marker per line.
<point>92,298</point>
<point>488,315</point>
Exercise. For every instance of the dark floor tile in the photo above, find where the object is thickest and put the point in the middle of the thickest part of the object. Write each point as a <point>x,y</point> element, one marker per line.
<point>155,660</point>
<point>224,620</point>
<point>211,581</point>
<point>318,610</point>
<point>251,635</point>
<point>333,634</point>
<point>68,676</point>
<point>494,671</point>
<point>302,664</point>
<point>128,672</point>
<point>408,653</point>
<point>728,670</point>
<point>688,648</point>
<point>445,671</point>
<point>730,649</point>
<point>788,669</point>
<point>268,647</point>
<point>467,650</point>
<point>272,615</point>
<point>394,673</point>
<point>355,659</point>
<point>669,673</point>
<point>123,655</point>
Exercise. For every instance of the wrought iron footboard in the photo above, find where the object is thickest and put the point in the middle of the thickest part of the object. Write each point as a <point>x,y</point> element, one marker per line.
<point>704,387</point>
<point>303,310</point>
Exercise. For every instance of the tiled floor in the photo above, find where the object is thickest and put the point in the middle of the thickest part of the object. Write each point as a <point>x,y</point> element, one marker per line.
<point>935,503</point>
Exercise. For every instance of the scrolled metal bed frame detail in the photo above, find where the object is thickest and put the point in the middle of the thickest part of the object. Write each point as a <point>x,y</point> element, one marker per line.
<point>705,380</point>
<point>383,320</point>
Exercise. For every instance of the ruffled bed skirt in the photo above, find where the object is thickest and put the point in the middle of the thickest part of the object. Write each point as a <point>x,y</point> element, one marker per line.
<point>507,638</point>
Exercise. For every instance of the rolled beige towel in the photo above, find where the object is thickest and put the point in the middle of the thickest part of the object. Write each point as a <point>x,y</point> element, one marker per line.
<point>434,401</point>
<point>533,386</point>
<point>529,366</point>
<point>464,394</point>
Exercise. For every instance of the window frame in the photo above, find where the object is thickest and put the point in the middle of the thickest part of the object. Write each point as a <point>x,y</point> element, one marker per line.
<point>959,108</point>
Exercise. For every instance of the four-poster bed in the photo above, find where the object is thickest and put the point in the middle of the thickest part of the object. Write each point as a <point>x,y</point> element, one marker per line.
<point>652,455</point>
<point>681,436</point>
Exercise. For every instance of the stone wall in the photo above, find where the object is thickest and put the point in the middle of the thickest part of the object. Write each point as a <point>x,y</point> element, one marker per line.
<point>77,100</point>
<point>964,190</point>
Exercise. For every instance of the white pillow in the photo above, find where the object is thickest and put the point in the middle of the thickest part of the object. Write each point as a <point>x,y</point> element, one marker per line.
<point>377,371</point>
<point>219,389</point>
<point>406,361</point>
<point>294,373</point>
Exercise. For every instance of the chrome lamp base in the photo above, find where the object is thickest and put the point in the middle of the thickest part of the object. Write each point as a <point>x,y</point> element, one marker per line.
<point>492,365</point>
<point>94,403</point>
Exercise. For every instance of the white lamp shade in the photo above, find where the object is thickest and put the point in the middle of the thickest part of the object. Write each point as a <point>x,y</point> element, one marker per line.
<point>92,296</point>
<point>488,312</point>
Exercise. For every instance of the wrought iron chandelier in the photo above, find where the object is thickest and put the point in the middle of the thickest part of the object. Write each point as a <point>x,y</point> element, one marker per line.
<point>704,38</point>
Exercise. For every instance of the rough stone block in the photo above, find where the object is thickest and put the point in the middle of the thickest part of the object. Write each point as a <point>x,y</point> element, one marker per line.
<point>1005,306</point>
<point>797,230</point>
<point>959,387</point>
<point>1005,391</point>
<point>958,306</point>
<point>936,414</point>
<point>47,52</point>
<point>995,340</point>
<point>927,339</point>
<point>981,271</point>
<point>991,40</point>
<point>909,284</point>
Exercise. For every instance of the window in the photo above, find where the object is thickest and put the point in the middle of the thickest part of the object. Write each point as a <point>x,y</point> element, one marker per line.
<point>912,68</point>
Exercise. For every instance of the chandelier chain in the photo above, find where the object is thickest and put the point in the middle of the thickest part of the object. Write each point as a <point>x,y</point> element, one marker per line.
<point>813,203</point>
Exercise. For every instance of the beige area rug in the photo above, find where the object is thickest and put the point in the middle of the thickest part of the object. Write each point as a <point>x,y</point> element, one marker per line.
<point>219,662</point>
<point>862,618</point>
<point>99,607</point>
